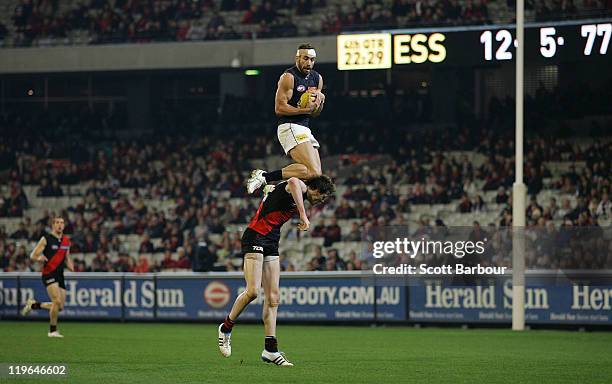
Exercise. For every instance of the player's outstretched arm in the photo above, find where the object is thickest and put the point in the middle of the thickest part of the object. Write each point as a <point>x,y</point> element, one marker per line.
<point>297,188</point>
<point>36,254</point>
<point>283,95</point>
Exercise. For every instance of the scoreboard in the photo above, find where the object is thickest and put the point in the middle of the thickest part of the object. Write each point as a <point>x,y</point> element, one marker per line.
<point>551,42</point>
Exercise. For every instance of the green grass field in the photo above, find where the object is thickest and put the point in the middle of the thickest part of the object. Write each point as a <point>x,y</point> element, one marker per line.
<point>187,353</point>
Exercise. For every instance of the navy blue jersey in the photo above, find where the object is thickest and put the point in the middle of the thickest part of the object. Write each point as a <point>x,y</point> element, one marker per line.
<point>301,84</point>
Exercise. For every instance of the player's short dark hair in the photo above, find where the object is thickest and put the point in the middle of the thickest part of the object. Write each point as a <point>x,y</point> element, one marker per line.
<point>323,184</point>
<point>306,46</point>
<point>57,217</point>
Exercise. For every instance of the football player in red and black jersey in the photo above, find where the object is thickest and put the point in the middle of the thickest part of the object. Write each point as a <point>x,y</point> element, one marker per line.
<point>53,250</point>
<point>261,258</point>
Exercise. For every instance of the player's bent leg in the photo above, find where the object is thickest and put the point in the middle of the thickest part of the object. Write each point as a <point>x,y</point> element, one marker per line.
<point>56,303</point>
<point>270,280</point>
<point>252,274</point>
<point>295,170</point>
<point>253,263</point>
<point>299,143</point>
<point>27,308</point>
<point>305,154</point>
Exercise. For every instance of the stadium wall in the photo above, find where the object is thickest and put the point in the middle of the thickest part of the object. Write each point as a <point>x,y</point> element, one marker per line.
<point>160,56</point>
<point>552,298</point>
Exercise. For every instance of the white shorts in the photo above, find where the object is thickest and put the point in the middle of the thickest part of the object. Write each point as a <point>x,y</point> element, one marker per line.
<point>290,135</point>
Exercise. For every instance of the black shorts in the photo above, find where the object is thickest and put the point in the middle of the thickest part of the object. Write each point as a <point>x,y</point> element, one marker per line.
<point>54,277</point>
<point>254,242</point>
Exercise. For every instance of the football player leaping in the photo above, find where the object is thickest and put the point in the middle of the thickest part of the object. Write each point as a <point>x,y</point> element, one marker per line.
<point>298,97</point>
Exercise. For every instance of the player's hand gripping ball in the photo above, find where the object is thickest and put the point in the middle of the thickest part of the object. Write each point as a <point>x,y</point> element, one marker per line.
<point>313,100</point>
<point>320,102</point>
<point>307,99</point>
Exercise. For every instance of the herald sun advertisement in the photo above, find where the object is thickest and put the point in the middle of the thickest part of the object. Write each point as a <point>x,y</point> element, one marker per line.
<point>550,298</point>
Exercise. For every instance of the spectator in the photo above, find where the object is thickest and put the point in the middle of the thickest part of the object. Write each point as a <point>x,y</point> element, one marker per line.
<point>143,265</point>
<point>334,262</point>
<point>101,263</point>
<point>477,233</point>
<point>21,232</point>
<point>501,197</point>
<point>122,264</point>
<point>465,205</point>
<point>565,208</point>
<point>354,234</point>
<point>354,263</point>
<point>479,204</point>
<point>604,207</point>
<point>332,233</point>
<point>146,246</point>
<point>38,232</point>
<point>168,262</point>
<point>252,15</point>
<point>205,257</point>
<point>182,261</point>
<point>319,259</point>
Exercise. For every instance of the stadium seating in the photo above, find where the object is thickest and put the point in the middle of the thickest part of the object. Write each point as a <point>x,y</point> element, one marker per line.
<point>297,251</point>
<point>95,22</point>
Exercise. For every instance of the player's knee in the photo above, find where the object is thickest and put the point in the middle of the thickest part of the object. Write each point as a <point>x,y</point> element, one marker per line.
<point>251,293</point>
<point>313,172</point>
<point>56,303</point>
<point>273,299</point>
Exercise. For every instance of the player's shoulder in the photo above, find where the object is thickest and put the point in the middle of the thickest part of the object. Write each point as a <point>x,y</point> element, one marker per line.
<point>286,80</point>
<point>282,186</point>
<point>287,75</point>
<point>280,189</point>
<point>291,70</point>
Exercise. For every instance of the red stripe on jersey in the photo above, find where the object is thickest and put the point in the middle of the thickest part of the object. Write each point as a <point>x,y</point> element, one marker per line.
<point>273,219</point>
<point>58,257</point>
<point>256,217</point>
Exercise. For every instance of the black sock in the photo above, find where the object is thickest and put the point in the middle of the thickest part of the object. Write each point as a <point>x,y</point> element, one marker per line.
<point>52,328</point>
<point>274,175</point>
<point>227,325</point>
<point>36,305</point>
<point>271,344</point>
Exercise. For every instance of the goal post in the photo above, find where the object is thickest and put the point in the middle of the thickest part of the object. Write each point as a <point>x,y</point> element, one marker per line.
<point>519,191</point>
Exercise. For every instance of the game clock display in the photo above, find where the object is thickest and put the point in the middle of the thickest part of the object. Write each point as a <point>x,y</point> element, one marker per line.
<point>364,51</point>
<point>544,43</point>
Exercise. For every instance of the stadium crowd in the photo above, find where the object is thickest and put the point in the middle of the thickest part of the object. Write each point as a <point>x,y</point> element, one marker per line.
<point>201,176</point>
<point>45,22</point>
<point>193,173</point>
